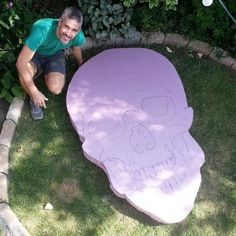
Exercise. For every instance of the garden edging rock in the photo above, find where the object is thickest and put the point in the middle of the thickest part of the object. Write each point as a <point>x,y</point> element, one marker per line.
<point>169,39</point>
<point>8,219</point>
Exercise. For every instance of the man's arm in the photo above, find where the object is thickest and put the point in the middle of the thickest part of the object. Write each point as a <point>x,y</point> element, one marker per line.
<point>77,52</point>
<point>26,73</point>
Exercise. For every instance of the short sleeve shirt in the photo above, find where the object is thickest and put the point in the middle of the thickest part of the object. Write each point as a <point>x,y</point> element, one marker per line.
<point>44,40</point>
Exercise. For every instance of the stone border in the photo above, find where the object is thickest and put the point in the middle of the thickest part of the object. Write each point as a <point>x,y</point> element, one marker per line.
<point>168,39</point>
<point>8,220</point>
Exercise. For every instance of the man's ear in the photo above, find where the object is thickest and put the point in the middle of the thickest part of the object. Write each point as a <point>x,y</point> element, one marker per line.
<point>59,21</point>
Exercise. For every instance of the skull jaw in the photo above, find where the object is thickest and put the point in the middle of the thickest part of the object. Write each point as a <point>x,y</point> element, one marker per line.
<point>169,202</point>
<point>168,195</point>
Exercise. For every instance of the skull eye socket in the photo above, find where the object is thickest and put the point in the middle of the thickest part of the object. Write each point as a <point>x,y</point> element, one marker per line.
<point>160,107</point>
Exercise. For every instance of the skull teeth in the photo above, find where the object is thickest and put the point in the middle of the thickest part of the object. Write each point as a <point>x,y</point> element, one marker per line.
<point>161,174</point>
<point>171,184</point>
<point>154,171</point>
<point>169,163</point>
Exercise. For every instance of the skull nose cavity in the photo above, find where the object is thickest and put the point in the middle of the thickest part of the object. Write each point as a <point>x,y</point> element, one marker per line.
<point>141,139</point>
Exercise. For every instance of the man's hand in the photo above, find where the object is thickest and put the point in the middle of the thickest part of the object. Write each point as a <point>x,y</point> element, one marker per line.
<point>39,99</point>
<point>77,52</point>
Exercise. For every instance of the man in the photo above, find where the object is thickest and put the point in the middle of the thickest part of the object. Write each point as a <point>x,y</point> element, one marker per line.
<point>44,50</point>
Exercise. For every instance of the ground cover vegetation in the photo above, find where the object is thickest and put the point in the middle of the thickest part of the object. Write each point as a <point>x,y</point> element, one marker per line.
<point>48,165</point>
<point>106,19</point>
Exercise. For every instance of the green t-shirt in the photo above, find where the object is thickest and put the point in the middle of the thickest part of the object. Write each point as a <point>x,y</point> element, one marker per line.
<point>44,40</point>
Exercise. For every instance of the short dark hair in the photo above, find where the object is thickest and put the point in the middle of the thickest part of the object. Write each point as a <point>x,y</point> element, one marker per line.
<point>72,13</point>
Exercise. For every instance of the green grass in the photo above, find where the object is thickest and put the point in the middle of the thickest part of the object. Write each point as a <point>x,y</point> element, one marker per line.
<point>46,158</point>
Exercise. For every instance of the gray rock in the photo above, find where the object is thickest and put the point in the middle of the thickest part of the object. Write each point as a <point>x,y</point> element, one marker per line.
<point>199,46</point>
<point>119,41</point>
<point>15,109</point>
<point>133,41</point>
<point>152,38</point>
<point>228,61</point>
<point>11,221</point>
<point>224,59</point>
<point>8,130</point>
<point>3,187</point>
<point>233,67</point>
<point>175,40</point>
<point>4,158</point>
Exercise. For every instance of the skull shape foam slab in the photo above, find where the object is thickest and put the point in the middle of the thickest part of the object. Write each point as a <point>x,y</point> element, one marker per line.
<point>129,108</point>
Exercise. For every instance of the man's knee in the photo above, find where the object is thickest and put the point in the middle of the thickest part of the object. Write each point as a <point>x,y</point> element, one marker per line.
<point>55,82</point>
<point>55,90</point>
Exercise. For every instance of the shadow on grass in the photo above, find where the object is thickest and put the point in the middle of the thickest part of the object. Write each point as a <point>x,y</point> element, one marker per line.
<point>46,154</point>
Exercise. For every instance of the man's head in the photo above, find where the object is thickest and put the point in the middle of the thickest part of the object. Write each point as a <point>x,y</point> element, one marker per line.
<point>69,24</point>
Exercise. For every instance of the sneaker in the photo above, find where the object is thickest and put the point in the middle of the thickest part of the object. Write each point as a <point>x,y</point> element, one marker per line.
<point>36,112</point>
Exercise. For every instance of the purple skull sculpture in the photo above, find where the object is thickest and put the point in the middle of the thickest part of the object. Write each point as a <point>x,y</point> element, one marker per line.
<point>130,110</point>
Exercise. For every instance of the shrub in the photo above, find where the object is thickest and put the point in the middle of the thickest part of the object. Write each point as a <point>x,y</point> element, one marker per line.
<point>169,4</point>
<point>15,23</point>
<point>191,18</point>
<point>210,24</point>
<point>155,19</point>
<point>104,19</point>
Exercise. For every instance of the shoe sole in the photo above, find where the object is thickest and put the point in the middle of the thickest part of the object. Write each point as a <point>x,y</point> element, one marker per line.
<point>37,117</point>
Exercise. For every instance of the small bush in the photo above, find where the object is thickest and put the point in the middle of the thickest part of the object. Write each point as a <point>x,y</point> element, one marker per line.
<point>169,4</point>
<point>104,19</point>
<point>16,20</point>
<point>210,24</point>
<point>155,19</point>
<point>191,18</point>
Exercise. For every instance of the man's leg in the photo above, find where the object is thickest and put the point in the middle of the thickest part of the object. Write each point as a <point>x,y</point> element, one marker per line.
<point>32,70</point>
<point>55,72</point>
<point>36,111</point>
<point>55,82</point>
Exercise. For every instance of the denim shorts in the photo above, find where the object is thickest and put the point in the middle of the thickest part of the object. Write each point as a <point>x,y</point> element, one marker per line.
<point>54,63</point>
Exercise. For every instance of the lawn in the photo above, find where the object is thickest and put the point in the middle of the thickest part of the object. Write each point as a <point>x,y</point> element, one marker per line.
<point>48,166</point>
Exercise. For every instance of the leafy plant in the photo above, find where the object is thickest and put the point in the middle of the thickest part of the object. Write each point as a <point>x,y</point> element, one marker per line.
<point>191,18</point>
<point>169,4</point>
<point>16,19</point>
<point>210,24</point>
<point>104,19</point>
<point>155,19</point>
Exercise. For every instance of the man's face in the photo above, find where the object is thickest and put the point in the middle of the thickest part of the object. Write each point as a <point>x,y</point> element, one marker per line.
<point>67,29</point>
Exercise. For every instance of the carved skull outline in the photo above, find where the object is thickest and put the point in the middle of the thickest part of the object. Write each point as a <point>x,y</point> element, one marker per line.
<point>134,122</point>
